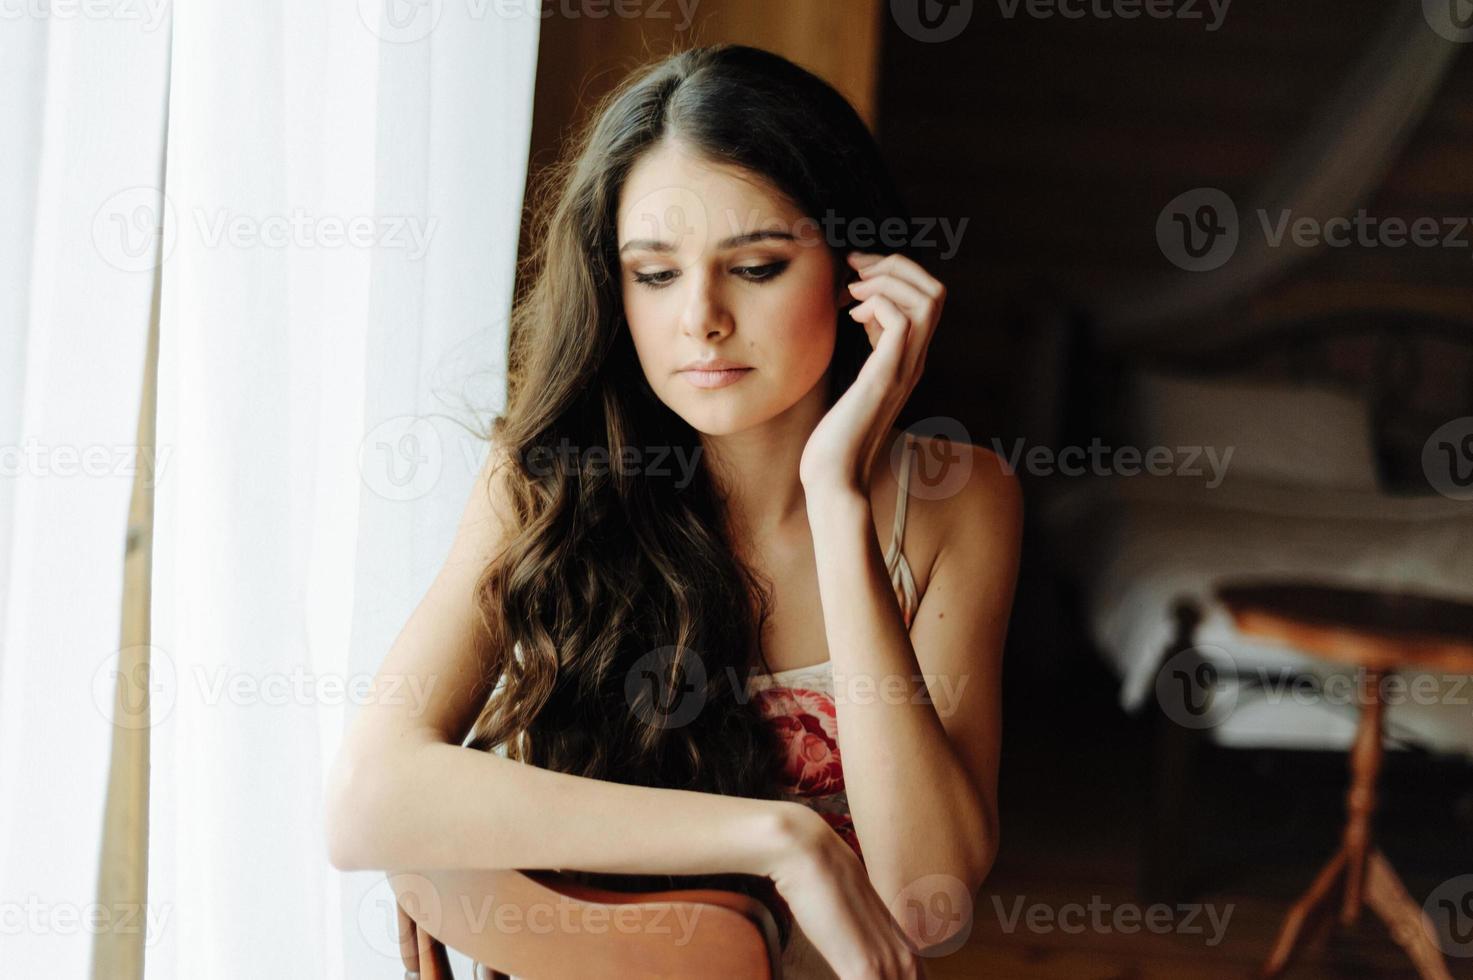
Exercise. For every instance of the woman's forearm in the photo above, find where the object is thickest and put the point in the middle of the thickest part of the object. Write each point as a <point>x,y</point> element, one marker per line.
<point>913,804</point>
<point>433,805</point>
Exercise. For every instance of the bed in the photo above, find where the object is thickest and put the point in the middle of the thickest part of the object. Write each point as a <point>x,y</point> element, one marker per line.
<point>1341,443</point>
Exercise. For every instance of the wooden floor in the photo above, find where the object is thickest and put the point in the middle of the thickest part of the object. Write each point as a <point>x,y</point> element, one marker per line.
<point>1075,774</point>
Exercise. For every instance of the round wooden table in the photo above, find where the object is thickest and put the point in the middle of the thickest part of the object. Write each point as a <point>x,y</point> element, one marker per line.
<point>1378,633</point>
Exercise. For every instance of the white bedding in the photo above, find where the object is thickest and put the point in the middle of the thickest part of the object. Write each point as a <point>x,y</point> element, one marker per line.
<point>1138,544</point>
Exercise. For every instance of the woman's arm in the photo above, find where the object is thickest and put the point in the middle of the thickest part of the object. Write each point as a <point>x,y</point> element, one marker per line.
<point>921,759</point>
<point>404,793</point>
<point>428,805</point>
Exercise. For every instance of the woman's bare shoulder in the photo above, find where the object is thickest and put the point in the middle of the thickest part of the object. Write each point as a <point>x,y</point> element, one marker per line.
<point>957,488</point>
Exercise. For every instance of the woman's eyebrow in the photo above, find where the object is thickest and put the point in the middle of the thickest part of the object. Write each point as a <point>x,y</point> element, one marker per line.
<point>735,241</point>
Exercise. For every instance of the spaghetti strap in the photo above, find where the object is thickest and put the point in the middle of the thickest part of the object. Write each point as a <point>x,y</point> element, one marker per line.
<point>900,574</point>
<point>902,497</point>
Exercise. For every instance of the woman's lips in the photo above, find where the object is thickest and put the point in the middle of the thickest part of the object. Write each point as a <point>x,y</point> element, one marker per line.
<point>715,379</point>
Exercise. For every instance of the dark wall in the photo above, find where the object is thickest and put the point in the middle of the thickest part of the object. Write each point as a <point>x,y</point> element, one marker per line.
<point>1061,141</point>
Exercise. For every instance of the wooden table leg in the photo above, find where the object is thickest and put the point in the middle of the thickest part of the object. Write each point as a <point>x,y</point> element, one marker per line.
<point>1360,800</point>
<point>1404,917</point>
<point>1317,894</point>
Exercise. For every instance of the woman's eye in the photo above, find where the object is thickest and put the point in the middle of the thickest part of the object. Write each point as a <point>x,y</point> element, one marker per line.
<point>750,273</point>
<point>762,273</point>
<point>652,279</point>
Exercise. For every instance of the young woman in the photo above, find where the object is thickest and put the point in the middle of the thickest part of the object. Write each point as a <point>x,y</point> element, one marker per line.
<point>667,615</point>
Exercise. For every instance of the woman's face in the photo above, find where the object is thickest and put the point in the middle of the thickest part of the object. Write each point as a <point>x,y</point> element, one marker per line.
<point>767,301</point>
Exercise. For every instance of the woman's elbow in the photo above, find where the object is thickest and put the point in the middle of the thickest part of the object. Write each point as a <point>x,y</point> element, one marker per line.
<point>347,814</point>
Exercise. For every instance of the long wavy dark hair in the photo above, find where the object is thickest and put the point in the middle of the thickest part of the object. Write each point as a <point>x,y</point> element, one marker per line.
<point>622,626</point>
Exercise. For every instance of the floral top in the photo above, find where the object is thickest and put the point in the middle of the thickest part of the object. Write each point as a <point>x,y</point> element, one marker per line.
<point>799,704</point>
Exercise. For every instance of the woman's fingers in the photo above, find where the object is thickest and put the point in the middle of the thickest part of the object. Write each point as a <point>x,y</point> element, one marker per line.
<point>906,294</point>
<point>901,267</point>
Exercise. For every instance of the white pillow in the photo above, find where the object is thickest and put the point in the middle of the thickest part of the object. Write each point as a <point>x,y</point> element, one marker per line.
<point>1290,434</point>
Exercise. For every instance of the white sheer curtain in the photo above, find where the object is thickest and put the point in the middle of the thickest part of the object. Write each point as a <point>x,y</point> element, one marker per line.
<point>310,392</point>
<point>337,207</point>
<point>82,102</point>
